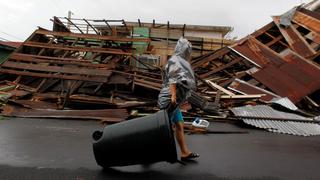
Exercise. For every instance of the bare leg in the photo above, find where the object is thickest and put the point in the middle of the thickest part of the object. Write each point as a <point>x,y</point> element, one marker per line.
<point>181,140</point>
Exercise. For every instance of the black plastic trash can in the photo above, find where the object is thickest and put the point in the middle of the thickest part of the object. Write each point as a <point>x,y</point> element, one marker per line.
<point>143,140</point>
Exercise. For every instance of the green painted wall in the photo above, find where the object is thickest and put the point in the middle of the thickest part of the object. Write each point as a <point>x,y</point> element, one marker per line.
<point>143,32</point>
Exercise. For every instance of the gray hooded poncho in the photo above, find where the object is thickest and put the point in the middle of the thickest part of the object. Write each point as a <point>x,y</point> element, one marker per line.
<point>178,71</point>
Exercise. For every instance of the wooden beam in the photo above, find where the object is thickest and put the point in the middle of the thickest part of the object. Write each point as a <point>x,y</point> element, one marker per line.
<point>251,96</point>
<point>56,60</point>
<point>217,97</point>
<point>216,86</point>
<point>306,21</point>
<point>213,56</point>
<point>91,36</point>
<point>58,76</point>
<point>56,69</point>
<point>220,68</point>
<point>263,29</point>
<point>274,41</point>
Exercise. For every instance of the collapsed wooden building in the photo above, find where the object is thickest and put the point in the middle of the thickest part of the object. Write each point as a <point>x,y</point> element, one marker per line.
<point>115,66</point>
<point>111,67</point>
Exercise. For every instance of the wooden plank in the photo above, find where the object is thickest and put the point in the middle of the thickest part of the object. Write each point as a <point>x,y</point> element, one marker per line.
<point>251,96</point>
<point>110,115</point>
<point>30,56</point>
<point>238,75</point>
<point>217,54</point>
<point>217,97</point>
<point>76,48</point>
<point>56,60</point>
<point>150,78</point>
<point>314,37</point>
<point>92,36</point>
<point>274,41</point>
<point>246,88</point>
<point>306,21</point>
<point>263,30</point>
<point>220,68</point>
<point>216,86</point>
<point>143,84</point>
<point>58,76</point>
<point>57,69</point>
<point>34,104</point>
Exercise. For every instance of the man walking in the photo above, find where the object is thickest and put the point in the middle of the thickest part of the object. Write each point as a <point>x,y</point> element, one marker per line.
<point>178,81</point>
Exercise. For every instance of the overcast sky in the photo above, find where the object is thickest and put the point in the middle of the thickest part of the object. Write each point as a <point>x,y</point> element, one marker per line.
<point>19,18</point>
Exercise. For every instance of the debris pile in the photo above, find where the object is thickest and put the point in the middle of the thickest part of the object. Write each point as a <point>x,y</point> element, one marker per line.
<point>104,69</point>
<point>92,69</point>
<point>274,62</point>
<point>56,70</point>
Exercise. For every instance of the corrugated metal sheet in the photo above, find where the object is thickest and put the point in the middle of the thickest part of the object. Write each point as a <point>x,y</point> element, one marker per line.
<point>285,102</point>
<point>277,126</point>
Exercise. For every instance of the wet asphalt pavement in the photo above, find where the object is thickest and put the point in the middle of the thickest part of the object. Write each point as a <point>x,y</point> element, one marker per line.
<point>62,149</point>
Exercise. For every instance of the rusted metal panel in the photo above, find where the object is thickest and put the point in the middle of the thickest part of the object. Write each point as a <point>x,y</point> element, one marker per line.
<point>294,39</point>
<point>257,52</point>
<point>302,70</point>
<point>281,83</point>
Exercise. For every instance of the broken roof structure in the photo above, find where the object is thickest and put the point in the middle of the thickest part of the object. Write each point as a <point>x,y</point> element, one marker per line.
<point>163,37</point>
<point>90,64</point>
<point>275,60</point>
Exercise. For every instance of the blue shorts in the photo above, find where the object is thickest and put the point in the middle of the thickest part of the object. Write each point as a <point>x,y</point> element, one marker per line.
<point>176,116</point>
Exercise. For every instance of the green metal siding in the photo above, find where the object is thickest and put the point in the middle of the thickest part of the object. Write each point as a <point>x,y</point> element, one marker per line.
<point>143,32</point>
<point>4,54</point>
